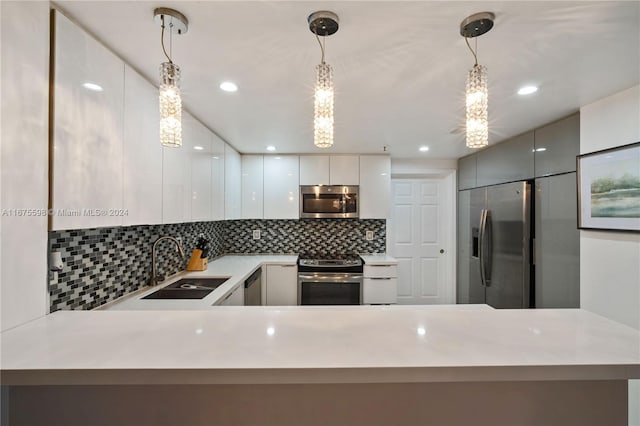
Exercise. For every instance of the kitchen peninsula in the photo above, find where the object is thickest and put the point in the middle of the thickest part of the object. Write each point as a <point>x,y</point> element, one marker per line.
<point>356,365</point>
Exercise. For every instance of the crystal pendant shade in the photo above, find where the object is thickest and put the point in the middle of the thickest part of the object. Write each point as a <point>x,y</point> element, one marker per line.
<point>323,107</point>
<point>477,96</point>
<point>170,105</point>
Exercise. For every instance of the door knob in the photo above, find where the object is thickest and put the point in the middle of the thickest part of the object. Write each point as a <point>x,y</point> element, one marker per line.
<point>441,251</point>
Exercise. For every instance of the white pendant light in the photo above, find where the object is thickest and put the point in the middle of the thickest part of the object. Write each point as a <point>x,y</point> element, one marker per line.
<point>477,92</point>
<point>169,97</point>
<point>323,23</point>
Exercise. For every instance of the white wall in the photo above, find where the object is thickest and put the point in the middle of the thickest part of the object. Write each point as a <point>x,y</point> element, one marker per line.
<point>610,261</point>
<point>24,184</point>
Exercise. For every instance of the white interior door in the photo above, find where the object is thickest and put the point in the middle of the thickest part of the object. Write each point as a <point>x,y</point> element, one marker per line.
<point>421,237</point>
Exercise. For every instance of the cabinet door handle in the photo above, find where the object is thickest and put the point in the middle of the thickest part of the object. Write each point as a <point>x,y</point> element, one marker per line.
<point>381,278</point>
<point>287,266</point>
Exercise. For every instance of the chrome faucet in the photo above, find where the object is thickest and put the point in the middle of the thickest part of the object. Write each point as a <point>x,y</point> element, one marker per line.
<point>154,272</point>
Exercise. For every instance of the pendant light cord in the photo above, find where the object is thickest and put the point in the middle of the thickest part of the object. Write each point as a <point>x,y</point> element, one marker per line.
<point>162,41</point>
<point>475,56</point>
<point>321,46</point>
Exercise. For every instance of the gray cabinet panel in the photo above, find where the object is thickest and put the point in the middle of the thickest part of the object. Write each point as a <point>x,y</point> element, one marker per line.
<point>469,288</point>
<point>556,146</point>
<point>508,161</point>
<point>467,172</point>
<point>557,242</point>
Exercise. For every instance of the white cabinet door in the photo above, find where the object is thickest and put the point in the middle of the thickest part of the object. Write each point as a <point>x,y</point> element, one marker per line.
<point>217,178</point>
<point>380,284</point>
<point>176,178</point>
<point>196,140</point>
<point>344,170</point>
<point>252,186</point>
<point>381,271</point>
<point>281,187</point>
<point>314,170</point>
<point>282,285</point>
<point>236,298</point>
<point>232,183</point>
<point>380,291</point>
<point>375,186</point>
<point>88,130</point>
<point>142,152</point>
<point>24,134</point>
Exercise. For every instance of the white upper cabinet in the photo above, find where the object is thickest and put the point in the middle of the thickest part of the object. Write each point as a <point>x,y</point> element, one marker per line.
<point>281,187</point>
<point>217,178</point>
<point>252,187</point>
<point>24,132</point>
<point>232,183</point>
<point>375,186</point>
<point>142,152</point>
<point>176,177</point>
<point>197,140</point>
<point>88,130</point>
<point>344,170</point>
<point>314,170</point>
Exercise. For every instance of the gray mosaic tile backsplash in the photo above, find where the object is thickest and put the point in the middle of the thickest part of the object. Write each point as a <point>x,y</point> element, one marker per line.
<point>105,263</point>
<point>305,236</point>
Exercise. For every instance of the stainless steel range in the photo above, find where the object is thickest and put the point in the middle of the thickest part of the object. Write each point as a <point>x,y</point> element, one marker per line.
<point>330,279</point>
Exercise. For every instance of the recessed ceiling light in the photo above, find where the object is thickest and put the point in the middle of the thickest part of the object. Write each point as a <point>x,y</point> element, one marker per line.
<point>424,148</point>
<point>228,86</point>
<point>92,86</point>
<point>271,148</point>
<point>216,158</point>
<point>198,148</point>
<point>540,149</point>
<point>527,90</point>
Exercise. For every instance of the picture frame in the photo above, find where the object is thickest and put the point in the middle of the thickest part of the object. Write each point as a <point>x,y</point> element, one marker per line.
<point>609,189</point>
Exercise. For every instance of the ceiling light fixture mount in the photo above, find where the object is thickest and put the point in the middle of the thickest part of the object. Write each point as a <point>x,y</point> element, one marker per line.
<point>323,23</point>
<point>477,92</point>
<point>477,24</point>
<point>170,101</point>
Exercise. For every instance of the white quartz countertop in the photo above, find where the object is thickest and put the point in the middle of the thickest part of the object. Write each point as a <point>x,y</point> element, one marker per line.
<point>378,259</point>
<point>237,268</point>
<point>356,344</point>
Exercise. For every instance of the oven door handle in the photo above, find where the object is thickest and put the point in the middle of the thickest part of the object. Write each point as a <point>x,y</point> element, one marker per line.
<point>334,279</point>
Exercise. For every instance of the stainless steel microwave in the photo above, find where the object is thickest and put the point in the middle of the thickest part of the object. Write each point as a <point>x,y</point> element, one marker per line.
<point>329,201</point>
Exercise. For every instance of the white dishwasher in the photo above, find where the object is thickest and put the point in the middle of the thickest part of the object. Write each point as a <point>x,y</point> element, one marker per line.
<point>380,284</point>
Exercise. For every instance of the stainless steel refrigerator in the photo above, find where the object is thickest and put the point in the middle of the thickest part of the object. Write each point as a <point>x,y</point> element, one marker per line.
<point>494,245</point>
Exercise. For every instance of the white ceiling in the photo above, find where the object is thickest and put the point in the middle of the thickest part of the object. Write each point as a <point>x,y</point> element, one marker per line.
<point>399,67</point>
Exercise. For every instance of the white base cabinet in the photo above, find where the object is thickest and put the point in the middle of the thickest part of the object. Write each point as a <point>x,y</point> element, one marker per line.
<point>380,284</point>
<point>281,285</point>
<point>235,298</point>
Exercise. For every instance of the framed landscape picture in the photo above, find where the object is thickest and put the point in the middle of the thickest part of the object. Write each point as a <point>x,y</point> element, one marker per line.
<point>609,189</point>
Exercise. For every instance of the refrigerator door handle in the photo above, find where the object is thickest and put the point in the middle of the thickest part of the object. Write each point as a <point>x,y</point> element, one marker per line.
<point>483,217</point>
<point>487,239</point>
